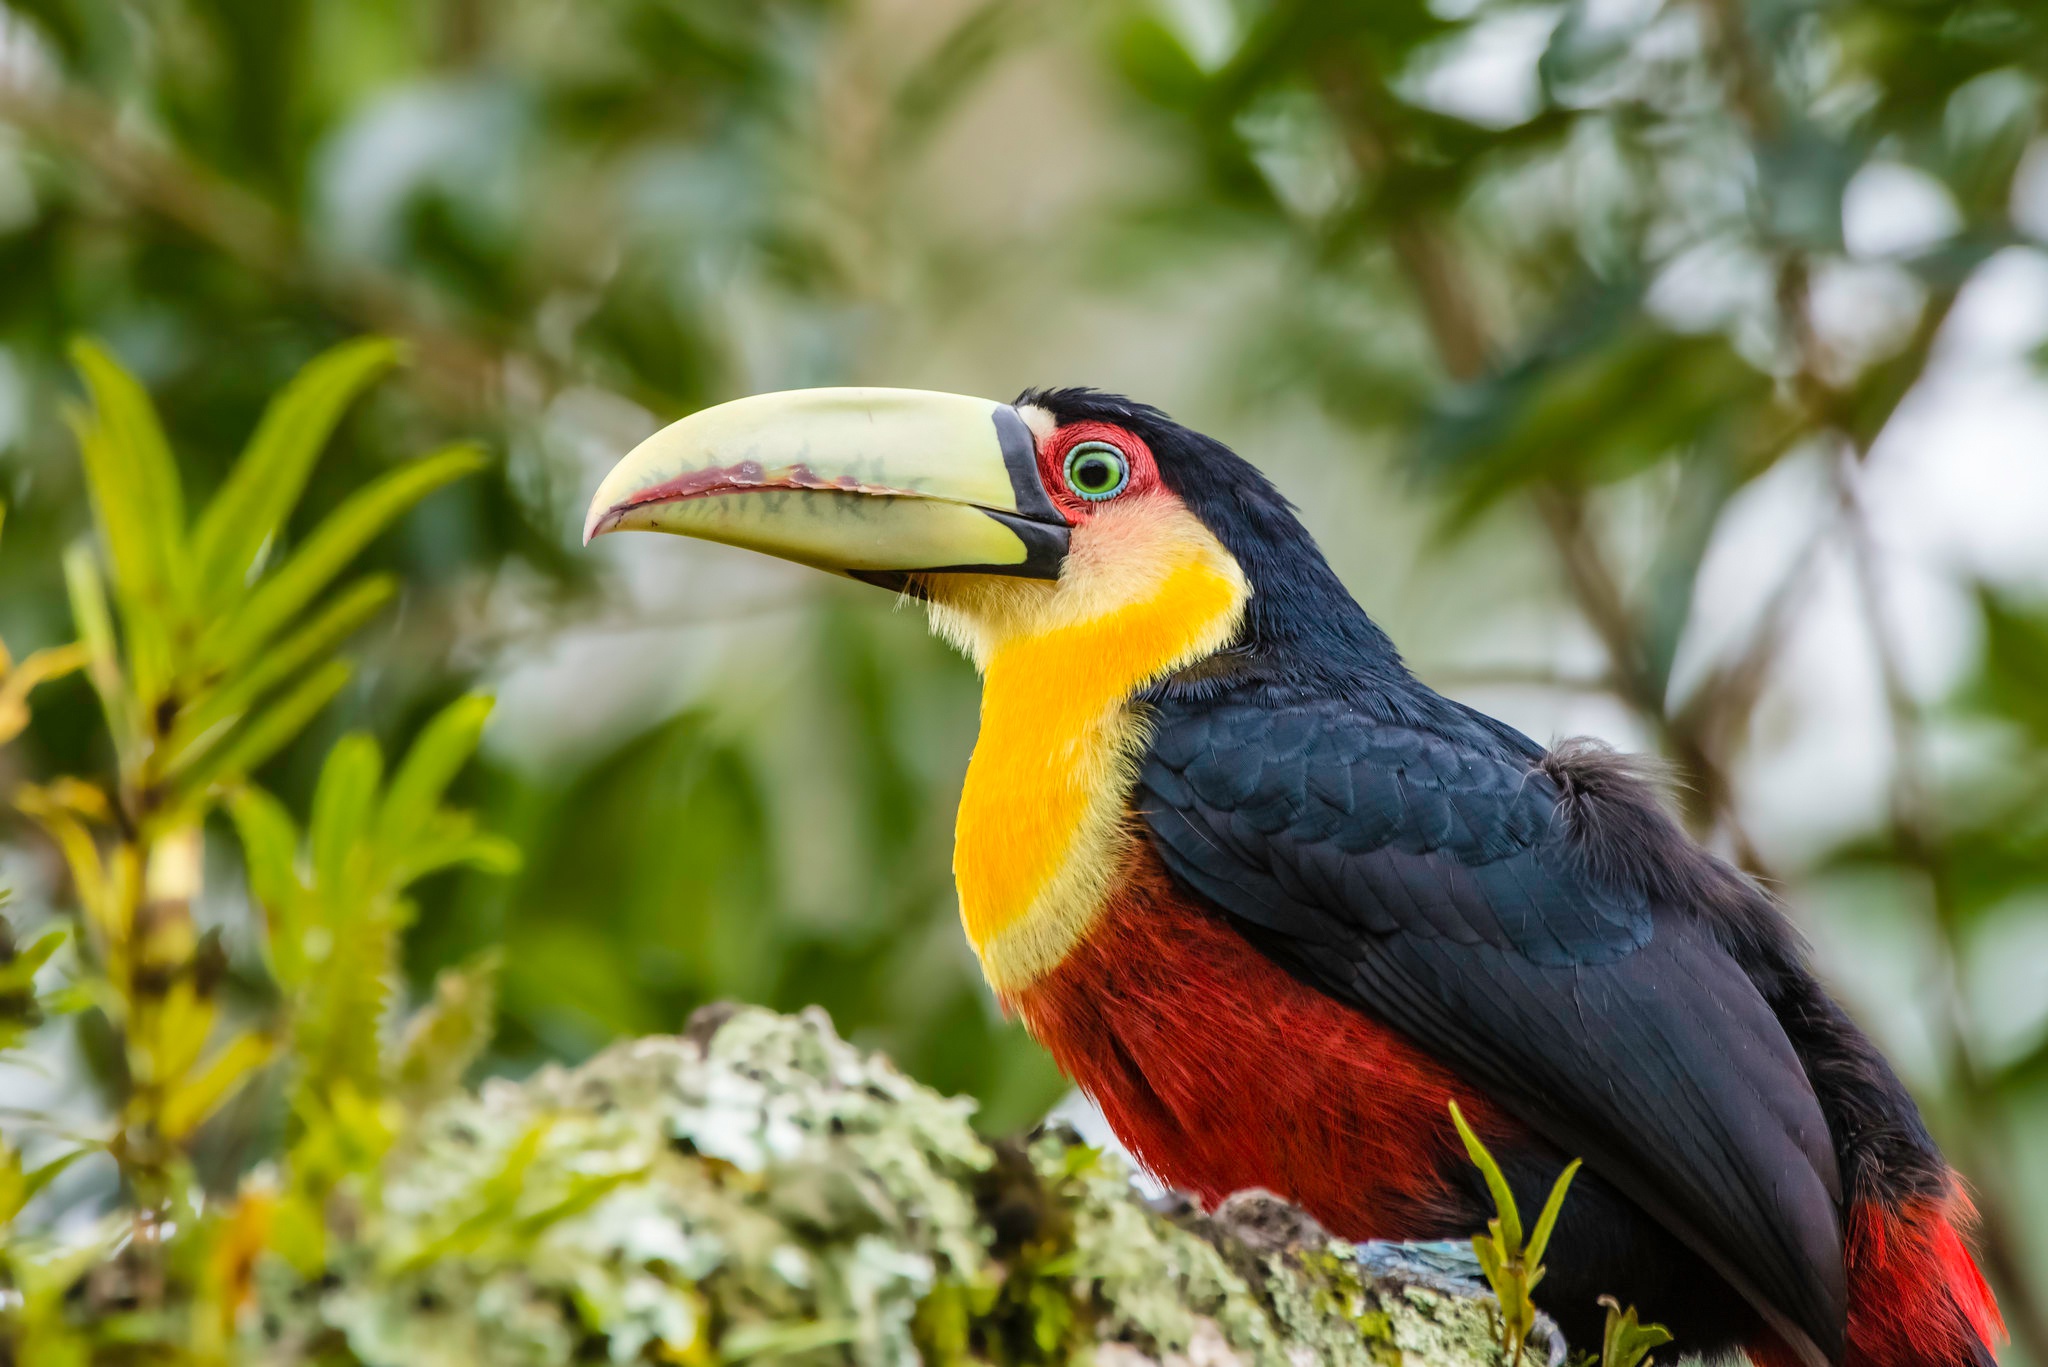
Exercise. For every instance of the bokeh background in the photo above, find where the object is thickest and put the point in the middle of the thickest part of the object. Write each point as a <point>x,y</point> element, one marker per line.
<point>1665,370</point>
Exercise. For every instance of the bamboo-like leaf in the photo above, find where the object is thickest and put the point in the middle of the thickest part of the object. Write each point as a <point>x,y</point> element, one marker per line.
<point>18,973</point>
<point>273,729</point>
<point>480,850</point>
<point>40,1176</point>
<point>51,662</point>
<point>183,1021</point>
<point>133,478</point>
<point>265,485</point>
<point>450,1032</point>
<point>81,855</point>
<point>270,851</point>
<point>1496,1183</point>
<point>205,722</point>
<point>95,625</point>
<point>332,545</point>
<point>343,806</point>
<point>1539,1238</point>
<point>1625,1343</point>
<point>18,1186</point>
<point>1488,1254</point>
<point>429,767</point>
<point>270,843</point>
<point>198,1097</point>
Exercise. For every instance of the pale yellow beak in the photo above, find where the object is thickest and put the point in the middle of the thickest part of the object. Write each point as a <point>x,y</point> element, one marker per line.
<point>874,483</point>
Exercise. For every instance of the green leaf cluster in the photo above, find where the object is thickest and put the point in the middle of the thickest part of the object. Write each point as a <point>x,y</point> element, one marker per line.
<point>1512,1266</point>
<point>210,647</point>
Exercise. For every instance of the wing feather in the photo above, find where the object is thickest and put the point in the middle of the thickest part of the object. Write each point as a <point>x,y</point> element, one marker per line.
<point>1437,886</point>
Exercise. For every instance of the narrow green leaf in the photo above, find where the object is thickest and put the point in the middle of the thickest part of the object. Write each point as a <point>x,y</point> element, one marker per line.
<point>133,478</point>
<point>346,531</point>
<point>1539,1239</point>
<point>1488,1254</point>
<point>486,853</point>
<point>343,805</point>
<point>270,851</point>
<point>1496,1183</point>
<point>429,767</point>
<point>271,730</point>
<point>19,1187</point>
<point>95,623</point>
<point>192,1102</point>
<point>450,1032</point>
<point>270,843</point>
<point>265,485</point>
<point>1625,1343</point>
<point>204,723</point>
<point>43,1174</point>
<point>19,972</point>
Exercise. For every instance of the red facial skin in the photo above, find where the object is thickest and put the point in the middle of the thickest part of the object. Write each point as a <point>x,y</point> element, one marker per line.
<point>1052,467</point>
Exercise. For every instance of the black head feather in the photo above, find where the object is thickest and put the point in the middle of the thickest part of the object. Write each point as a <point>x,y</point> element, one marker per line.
<point>1304,634</point>
<point>1297,599</point>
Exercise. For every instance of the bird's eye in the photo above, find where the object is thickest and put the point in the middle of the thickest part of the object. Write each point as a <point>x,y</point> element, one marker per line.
<point>1096,470</point>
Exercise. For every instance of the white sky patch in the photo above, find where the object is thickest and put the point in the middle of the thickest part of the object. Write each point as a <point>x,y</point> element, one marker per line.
<point>1952,491</point>
<point>1959,480</point>
<point>1863,311</point>
<point>1487,74</point>
<point>1762,536</point>
<point>2005,979</point>
<point>1891,209</point>
<point>2030,191</point>
<point>1208,29</point>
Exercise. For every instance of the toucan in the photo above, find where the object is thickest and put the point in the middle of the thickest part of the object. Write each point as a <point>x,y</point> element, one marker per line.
<point>1275,904</point>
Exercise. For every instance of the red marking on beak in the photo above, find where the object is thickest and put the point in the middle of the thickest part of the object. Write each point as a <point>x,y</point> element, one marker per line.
<point>748,476</point>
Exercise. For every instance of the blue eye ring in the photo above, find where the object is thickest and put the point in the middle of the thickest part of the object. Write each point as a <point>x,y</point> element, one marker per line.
<point>1096,470</point>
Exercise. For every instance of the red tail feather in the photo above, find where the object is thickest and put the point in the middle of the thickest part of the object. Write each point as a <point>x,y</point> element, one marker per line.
<point>1916,1298</point>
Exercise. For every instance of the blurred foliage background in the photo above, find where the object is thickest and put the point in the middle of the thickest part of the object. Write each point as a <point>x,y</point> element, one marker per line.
<point>1666,369</point>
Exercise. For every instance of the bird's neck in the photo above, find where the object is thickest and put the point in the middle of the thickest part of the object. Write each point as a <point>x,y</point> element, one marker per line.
<point>1040,833</point>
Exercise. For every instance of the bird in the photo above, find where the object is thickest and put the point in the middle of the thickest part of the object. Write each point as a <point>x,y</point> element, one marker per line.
<point>1275,905</point>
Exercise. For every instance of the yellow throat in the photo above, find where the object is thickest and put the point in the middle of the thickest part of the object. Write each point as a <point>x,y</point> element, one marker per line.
<point>1040,831</point>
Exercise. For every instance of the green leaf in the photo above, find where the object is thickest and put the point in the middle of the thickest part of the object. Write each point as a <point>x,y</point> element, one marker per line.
<point>133,478</point>
<point>202,725</point>
<point>343,806</point>
<point>450,1032</point>
<point>95,623</point>
<point>192,1102</point>
<point>1547,1221</point>
<point>19,1187</point>
<point>272,730</point>
<point>1624,1343</point>
<point>486,853</point>
<point>332,545</point>
<point>429,767</point>
<point>266,483</point>
<point>1496,1183</point>
<point>18,972</point>
<point>270,852</point>
<point>270,843</point>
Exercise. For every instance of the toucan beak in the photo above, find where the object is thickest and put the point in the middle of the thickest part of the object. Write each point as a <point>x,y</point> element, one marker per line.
<point>879,484</point>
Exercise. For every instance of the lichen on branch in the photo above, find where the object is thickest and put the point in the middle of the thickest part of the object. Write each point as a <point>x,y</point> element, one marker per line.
<point>760,1190</point>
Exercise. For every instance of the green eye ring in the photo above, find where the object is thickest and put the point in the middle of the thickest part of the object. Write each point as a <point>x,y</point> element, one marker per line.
<point>1096,470</point>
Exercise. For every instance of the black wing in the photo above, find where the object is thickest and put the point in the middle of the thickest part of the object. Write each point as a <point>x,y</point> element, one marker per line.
<point>1436,886</point>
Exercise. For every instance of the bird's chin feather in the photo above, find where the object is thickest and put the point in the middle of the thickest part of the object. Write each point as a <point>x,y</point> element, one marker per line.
<point>1117,558</point>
